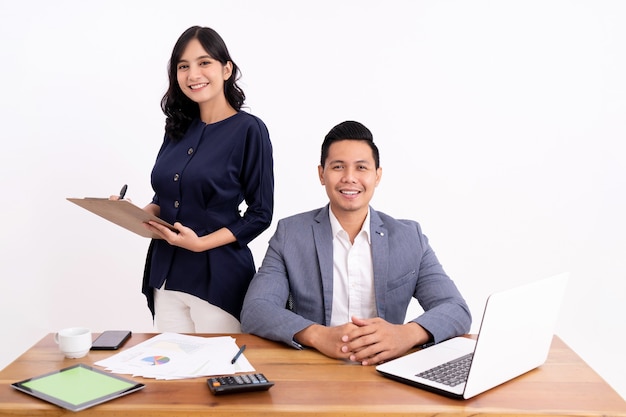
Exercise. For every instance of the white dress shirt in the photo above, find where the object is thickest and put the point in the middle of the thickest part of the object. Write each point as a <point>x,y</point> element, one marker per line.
<point>353,274</point>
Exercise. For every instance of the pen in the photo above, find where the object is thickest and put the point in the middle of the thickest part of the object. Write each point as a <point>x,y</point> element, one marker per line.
<point>123,191</point>
<point>238,354</point>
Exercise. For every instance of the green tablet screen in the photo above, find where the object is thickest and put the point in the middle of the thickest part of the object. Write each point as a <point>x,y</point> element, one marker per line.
<point>77,387</point>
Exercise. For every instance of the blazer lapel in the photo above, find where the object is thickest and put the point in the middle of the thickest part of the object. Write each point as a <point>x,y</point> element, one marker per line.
<point>322,234</point>
<point>380,259</point>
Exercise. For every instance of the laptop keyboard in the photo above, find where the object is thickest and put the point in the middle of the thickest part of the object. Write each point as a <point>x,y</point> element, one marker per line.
<point>450,373</point>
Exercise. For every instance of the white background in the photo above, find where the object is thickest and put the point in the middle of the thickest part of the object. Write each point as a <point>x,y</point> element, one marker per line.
<point>501,126</point>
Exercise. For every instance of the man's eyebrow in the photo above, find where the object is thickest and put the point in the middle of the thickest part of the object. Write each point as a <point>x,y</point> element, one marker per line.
<point>360,161</point>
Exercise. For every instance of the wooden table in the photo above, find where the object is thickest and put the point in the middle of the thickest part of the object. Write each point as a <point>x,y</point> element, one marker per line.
<point>310,384</point>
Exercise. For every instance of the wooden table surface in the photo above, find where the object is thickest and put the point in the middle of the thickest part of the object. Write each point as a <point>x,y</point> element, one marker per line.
<point>310,384</point>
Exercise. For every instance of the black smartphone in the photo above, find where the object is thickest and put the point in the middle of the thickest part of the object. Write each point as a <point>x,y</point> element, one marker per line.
<point>110,340</point>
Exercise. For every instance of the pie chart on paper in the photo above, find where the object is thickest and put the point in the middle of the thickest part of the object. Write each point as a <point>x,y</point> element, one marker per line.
<point>156,360</point>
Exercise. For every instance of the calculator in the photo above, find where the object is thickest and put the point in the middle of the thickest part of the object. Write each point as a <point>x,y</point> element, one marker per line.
<point>230,384</point>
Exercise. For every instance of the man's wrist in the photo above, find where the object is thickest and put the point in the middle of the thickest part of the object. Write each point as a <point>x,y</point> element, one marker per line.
<point>419,335</point>
<point>308,336</point>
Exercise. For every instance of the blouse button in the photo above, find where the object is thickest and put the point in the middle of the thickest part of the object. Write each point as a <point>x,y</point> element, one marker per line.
<point>176,204</point>
<point>176,177</point>
<point>189,151</point>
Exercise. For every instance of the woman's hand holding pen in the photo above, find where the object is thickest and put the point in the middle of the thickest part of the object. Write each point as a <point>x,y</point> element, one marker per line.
<point>121,195</point>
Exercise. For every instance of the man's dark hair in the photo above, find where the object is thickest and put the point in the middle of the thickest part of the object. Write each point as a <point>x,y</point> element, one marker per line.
<point>349,130</point>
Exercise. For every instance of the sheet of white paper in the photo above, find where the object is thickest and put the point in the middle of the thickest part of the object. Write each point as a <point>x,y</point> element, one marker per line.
<point>177,356</point>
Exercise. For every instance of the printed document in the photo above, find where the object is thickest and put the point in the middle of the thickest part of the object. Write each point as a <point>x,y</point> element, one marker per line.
<point>178,356</point>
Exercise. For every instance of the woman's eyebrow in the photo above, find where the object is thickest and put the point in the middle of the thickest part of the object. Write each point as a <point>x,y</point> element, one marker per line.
<point>200,57</point>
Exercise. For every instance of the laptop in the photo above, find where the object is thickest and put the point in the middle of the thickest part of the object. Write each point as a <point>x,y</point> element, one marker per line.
<point>515,335</point>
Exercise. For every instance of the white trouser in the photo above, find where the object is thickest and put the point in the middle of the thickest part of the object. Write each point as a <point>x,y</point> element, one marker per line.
<point>179,312</point>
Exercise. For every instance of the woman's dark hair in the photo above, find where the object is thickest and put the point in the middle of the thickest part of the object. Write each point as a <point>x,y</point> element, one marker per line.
<point>178,108</point>
<point>349,130</point>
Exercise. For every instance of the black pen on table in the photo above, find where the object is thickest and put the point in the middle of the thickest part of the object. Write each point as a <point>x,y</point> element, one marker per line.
<point>238,354</point>
<point>123,191</point>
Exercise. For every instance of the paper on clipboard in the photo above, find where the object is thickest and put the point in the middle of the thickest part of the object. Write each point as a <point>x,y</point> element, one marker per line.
<point>121,212</point>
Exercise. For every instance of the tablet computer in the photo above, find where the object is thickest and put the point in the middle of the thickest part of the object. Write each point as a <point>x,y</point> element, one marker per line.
<point>77,387</point>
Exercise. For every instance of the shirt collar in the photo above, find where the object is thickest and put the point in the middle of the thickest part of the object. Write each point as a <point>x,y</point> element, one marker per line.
<point>336,226</point>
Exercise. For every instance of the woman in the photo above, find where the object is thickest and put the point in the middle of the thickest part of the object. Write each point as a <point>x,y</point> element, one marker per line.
<point>214,157</point>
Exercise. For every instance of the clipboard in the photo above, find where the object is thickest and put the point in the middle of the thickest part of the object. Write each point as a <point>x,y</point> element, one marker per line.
<point>77,387</point>
<point>123,213</point>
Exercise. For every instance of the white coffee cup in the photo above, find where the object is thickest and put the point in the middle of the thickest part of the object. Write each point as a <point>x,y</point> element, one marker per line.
<point>74,342</point>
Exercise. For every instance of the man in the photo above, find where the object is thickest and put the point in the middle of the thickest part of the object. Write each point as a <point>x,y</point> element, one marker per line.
<point>339,279</point>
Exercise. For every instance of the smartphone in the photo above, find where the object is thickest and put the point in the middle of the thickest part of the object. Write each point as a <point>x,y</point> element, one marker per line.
<point>110,340</point>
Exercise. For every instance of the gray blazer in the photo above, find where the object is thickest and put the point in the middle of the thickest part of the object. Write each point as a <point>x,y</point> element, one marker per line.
<point>294,285</point>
